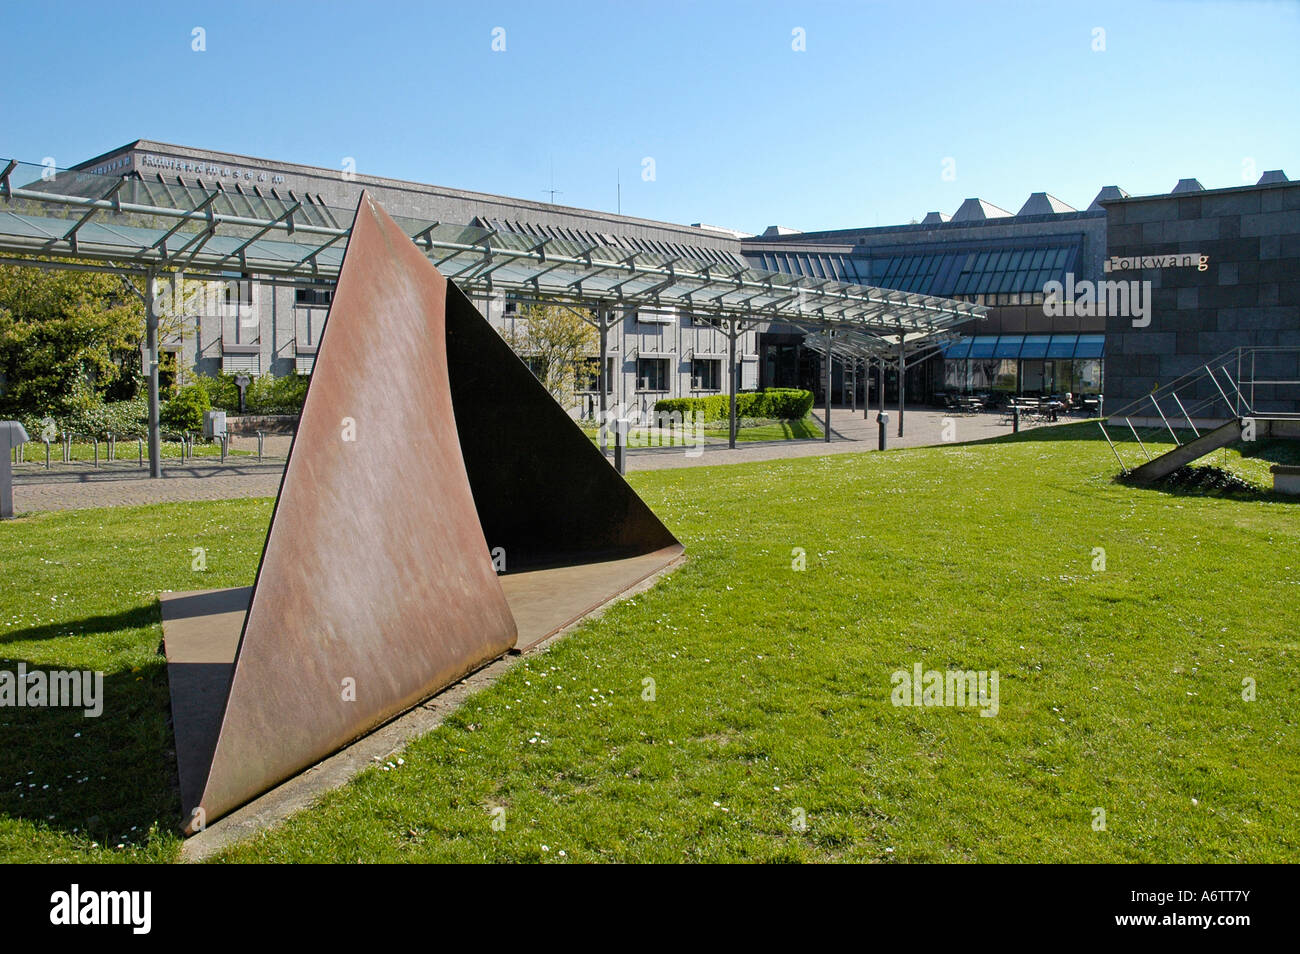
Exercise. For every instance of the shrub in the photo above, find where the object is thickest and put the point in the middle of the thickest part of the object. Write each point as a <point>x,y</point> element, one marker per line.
<point>789,404</point>
<point>264,395</point>
<point>87,414</point>
<point>184,412</point>
<point>223,392</point>
<point>268,395</point>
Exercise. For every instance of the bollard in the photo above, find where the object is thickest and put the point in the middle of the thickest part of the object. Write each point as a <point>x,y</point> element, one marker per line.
<point>67,447</point>
<point>1015,419</point>
<point>47,453</point>
<point>12,436</point>
<point>260,437</point>
<point>619,462</point>
<point>225,445</point>
<point>112,446</point>
<point>139,450</point>
<point>95,441</point>
<point>883,420</point>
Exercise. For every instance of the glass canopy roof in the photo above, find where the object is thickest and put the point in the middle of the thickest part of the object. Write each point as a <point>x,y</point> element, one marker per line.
<point>949,272</point>
<point>132,225</point>
<point>1027,346</point>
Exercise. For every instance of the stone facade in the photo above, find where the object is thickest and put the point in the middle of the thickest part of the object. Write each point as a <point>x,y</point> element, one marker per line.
<point>1247,296</point>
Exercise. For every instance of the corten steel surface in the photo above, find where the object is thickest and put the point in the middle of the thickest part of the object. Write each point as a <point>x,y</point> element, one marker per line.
<point>375,568</point>
<point>545,492</point>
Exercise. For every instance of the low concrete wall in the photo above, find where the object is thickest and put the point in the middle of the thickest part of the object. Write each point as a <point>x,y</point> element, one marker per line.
<point>1286,479</point>
<point>249,424</point>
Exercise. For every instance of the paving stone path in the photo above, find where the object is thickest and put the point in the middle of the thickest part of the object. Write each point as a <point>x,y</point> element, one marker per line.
<point>122,484</point>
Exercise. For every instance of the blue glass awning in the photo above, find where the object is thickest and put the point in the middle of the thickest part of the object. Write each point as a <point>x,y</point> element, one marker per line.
<point>1030,347</point>
<point>958,349</point>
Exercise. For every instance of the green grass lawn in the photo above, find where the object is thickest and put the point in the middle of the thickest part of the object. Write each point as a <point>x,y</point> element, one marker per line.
<point>128,451</point>
<point>806,429</point>
<point>1120,689</point>
<point>750,429</point>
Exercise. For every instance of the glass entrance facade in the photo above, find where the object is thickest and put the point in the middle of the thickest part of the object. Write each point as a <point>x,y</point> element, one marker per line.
<point>1025,364</point>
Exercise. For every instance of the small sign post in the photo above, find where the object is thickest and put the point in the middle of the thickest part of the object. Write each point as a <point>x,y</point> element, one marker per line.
<point>12,434</point>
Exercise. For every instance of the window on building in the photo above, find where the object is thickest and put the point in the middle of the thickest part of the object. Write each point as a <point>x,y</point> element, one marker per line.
<point>308,323</point>
<point>706,374</point>
<point>238,293</point>
<point>706,321</point>
<point>589,377</point>
<point>655,317</point>
<point>313,296</point>
<point>652,374</point>
<point>239,321</point>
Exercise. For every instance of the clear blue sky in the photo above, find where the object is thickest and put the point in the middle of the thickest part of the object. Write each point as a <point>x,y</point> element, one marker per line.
<point>744,131</point>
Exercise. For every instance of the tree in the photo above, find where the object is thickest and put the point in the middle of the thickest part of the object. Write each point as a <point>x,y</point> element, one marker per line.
<point>553,340</point>
<point>59,327</point>
<point>178,302</point>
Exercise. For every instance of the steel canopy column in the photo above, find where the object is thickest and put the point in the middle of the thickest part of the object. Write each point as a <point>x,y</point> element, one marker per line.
<point>828,332</point>
<point>880,382</point>
<point>866,388</point>
<point>902,378</point>
<point>603,376</point>
<point>732,332</point>
<point>151,359</point>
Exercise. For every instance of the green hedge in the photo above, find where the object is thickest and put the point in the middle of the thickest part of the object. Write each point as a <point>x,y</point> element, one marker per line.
<point>790,404</point>
<point>124,419</point>
<point>89,415</point>
<point>264,395</point>
<point>185,410</point>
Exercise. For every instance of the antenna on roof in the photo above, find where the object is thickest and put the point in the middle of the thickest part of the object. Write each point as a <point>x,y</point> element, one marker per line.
<point>552,190</point>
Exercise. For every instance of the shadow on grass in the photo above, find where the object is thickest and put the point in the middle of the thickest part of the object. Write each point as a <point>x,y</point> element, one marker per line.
<point>1273,450</point>
<point>137,617</point>
<point>1046,433</point>
<point>109,778</point>
<point>1208,480</point>
<point>1205,480</point>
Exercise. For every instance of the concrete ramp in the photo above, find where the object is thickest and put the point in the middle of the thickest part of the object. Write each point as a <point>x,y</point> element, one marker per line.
<point>1170,461</point>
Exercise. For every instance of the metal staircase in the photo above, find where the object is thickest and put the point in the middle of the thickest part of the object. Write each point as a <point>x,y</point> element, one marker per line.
<point>1243,394</point>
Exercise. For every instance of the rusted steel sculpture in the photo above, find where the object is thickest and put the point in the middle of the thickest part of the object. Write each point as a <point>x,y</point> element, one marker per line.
<point>424,443</point>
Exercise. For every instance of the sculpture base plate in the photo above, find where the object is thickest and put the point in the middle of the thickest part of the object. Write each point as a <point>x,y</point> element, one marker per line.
<point>201,636</point>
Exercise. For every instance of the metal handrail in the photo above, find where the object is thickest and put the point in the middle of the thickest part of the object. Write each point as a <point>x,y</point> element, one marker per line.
<point>1233,375</point>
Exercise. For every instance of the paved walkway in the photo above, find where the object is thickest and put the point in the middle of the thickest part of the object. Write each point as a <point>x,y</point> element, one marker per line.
<point>850,434</point>
<point>77,486</point>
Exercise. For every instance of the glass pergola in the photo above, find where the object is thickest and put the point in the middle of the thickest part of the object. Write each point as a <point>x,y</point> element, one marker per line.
<point>130,225</point>
<point>70,219</point>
